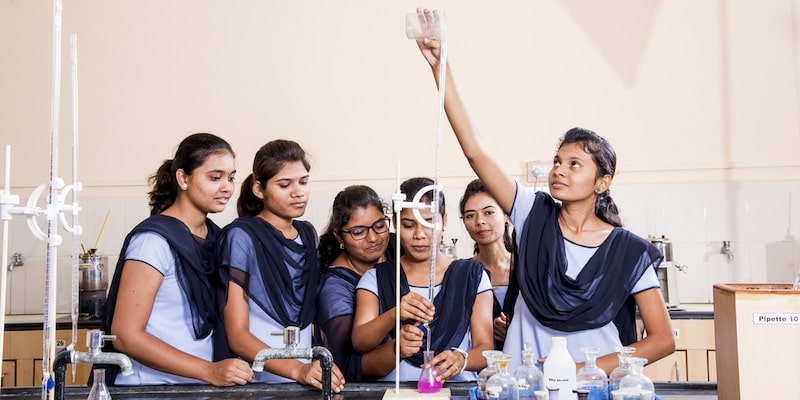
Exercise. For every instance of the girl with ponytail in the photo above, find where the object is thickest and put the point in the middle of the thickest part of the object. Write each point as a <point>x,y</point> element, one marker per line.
<point>580,274</point>
<point>268,259</point>
<point>165,287</point>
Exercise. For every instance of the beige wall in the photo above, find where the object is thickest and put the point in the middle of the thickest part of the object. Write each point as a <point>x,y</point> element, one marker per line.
<point>686,90</point>
<point>699,98</point>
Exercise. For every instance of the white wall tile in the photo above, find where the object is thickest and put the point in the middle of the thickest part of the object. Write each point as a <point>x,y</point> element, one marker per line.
<point>762,221</point>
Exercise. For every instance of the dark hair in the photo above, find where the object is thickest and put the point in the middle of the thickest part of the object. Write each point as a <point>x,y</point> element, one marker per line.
<point>473,188</point>
<point>268,161</point>
<point>413,185</point>
<point>344,204</point>
<point>192,152</point>
<point>606,160</point>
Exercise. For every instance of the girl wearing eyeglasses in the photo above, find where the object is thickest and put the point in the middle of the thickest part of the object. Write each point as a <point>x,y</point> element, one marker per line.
<point>460,316</point>
<point>357,237</point>
<point>269,260</point>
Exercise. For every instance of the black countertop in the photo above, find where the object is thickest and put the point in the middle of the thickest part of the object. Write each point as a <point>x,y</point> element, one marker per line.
<point>34,323</point>
<point>362,391</point>
<point>680,313</point>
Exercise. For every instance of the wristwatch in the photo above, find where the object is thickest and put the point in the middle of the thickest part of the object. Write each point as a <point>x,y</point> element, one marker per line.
<point>466,357</point>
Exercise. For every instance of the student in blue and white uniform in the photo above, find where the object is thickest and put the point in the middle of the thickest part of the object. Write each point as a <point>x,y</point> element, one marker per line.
<point>460,315</point>
<point>357,237</point>
<point>580,274</point>
<point>269,260</point>
<point>164,290</point>
<point>490,228</point>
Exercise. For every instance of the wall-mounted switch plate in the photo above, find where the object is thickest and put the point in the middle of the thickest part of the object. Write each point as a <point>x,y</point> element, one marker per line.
<point>538,170</point>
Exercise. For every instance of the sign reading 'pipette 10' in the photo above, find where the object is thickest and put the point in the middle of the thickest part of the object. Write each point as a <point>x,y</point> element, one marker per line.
<point>776,318</point>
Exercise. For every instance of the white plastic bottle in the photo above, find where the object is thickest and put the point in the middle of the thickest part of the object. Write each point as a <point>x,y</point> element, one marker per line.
<point>559,369</point>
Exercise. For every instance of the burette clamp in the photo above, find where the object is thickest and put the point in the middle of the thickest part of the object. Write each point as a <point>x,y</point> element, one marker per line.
<point>400,202</point>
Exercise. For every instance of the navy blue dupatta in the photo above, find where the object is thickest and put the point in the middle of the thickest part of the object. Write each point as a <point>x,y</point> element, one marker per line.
<point>284,293</point>
<point>194,265</point>
<point>453,302</point>
<point>599,294</point>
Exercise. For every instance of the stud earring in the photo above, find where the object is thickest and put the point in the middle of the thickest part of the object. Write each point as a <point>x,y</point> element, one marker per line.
<point>184,187</point>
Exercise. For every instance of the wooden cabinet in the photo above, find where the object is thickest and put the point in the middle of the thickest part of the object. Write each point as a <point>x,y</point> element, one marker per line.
<point>9,375</point>
<point>22,358</point>
<point>694,357</point>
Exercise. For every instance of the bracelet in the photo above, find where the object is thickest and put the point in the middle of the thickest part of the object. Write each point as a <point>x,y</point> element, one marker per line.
<point>466,357</point>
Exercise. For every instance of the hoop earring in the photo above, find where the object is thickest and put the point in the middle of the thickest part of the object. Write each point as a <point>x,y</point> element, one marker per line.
<point>341,245</point>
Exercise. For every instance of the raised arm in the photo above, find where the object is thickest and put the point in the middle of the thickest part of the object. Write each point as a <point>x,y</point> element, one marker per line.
<point>488,170</point>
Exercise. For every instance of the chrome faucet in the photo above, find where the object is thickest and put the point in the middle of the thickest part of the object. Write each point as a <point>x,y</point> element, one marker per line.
<point>94,341</point>
<point>95,355</point>
<point>291,338</point>
<point>726,250</point>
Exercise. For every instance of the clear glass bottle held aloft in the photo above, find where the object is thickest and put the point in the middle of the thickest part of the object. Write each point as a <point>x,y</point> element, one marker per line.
<point>427,379</point>
<point>529,378</point>
<point>99,389</point>
<point>591,378</point>
<point>623,370</point>
<point>501,386</point>
<point>487,372</point>
<point>637,381</point>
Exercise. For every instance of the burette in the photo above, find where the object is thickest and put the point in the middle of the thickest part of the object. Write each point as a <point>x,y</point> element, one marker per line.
<point>437,216</point>
<point>419,26</point>
<point>53,240</point>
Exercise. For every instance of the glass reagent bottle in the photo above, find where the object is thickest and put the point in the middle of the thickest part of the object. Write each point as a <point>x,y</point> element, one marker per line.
<point>502,386</point>
<point>591,378</point>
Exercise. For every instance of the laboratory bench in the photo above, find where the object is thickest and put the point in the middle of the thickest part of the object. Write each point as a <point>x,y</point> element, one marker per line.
<point>693,362</point>
<point>361,391</point>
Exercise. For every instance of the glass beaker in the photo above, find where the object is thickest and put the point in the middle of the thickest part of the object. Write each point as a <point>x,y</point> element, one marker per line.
<point>637,381</point>
<point>591,378</point>
<point>502,385</point>
<point>624,368</point>
<point>420,27</point>
<point>487,372</point>
<point>427,379</point>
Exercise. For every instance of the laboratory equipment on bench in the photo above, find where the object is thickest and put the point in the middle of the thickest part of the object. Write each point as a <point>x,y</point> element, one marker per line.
<point>667,271</point>
<point>93,285</point>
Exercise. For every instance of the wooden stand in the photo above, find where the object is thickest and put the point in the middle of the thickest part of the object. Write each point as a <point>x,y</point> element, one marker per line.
<point>757,333</point>
<point>406,393</point>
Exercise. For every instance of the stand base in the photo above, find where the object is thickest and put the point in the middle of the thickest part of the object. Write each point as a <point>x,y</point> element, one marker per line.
<point>406,393</point>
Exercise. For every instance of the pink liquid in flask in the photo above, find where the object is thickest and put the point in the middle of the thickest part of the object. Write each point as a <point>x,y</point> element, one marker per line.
<point>427,381</point>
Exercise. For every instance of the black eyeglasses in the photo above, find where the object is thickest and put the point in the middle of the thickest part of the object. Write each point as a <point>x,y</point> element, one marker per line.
<point>360,232</point>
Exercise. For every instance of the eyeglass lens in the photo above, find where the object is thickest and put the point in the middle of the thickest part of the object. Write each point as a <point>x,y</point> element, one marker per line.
<point>360,232</point>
